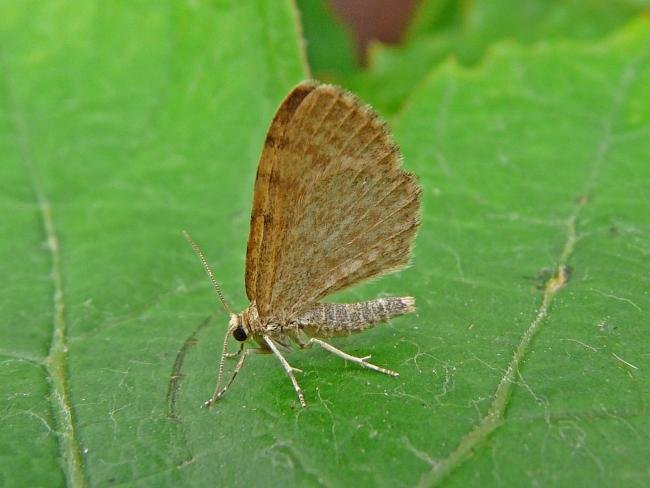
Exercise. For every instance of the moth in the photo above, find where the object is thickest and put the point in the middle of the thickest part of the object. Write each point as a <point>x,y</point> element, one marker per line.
<point>332,207</point>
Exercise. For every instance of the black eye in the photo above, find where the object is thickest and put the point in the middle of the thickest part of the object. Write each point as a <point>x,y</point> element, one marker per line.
<point>239,334</point>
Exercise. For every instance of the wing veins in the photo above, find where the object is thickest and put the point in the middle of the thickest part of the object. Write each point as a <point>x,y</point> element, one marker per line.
<point>332,205</point>
<point>337,284</point>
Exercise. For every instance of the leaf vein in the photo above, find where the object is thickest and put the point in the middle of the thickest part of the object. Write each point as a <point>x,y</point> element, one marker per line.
<point>495,416</point>
<point>55,362</point>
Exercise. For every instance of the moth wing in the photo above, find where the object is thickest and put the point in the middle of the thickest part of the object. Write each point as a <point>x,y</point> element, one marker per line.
<point>332,205</point>
<point>271,154</point>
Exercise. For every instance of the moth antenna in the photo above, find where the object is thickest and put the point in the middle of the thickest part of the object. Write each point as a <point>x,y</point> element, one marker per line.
<point>215,285</point>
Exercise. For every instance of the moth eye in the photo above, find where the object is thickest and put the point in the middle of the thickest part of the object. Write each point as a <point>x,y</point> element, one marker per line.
<point>239,334</point>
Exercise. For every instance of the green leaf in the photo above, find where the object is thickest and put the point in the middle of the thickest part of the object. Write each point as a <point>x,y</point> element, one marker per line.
<point>330,47</point>
<point>467,30</point>
<point>536,164</point>
<point>122,125</point>
<point>436,17</point>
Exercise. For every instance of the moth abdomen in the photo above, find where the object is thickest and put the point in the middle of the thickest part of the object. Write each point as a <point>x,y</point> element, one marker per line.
<point>333,319</point>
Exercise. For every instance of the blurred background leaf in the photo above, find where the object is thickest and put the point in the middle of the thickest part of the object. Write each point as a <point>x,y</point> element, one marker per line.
<point>328,43</point>
<point>124,123</point>
<point>465,30</point>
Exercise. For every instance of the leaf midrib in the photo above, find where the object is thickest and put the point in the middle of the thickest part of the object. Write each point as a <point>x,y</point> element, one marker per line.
<point>55,363</point>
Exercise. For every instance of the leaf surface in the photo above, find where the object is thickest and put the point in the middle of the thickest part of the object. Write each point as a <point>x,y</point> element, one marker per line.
<point>123,125</point>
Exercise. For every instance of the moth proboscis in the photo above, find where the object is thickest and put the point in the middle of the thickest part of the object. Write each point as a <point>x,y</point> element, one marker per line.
<point>331,207</point>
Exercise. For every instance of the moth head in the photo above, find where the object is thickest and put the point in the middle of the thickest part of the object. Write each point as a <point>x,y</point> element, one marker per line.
<point>239,330</point>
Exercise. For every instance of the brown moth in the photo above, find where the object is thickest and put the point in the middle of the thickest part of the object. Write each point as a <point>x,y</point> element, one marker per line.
<point>331,207</point>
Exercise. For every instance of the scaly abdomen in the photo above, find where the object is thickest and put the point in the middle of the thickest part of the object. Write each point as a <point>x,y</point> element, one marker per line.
<point>334,319</point>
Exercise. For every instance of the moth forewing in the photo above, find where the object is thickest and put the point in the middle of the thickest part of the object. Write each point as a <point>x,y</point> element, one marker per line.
<point>331,207</point>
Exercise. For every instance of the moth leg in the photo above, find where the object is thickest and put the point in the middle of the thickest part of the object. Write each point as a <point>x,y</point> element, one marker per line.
<point>218,393</point>
<point>231,355</point>
<point>287,368</point>
<point>360,361</point>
